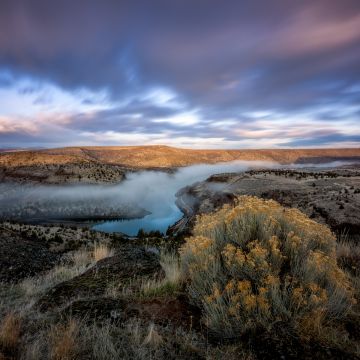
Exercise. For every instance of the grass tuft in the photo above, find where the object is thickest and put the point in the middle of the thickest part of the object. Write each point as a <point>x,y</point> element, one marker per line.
<point>102,251</point>
<point>153,338</point>
<point>170,283</point>
<point>10,332</point>
<point>63,340</point>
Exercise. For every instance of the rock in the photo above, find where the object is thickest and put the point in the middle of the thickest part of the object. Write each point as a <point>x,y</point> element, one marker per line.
<point>290,188</point>
<point>101,309</point>
<point>128,264</point>
<point>21,257</point>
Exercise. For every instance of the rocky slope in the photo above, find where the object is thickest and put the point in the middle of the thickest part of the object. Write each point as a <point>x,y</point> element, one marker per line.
<point>329,196</point>
<point>110,164</point>
<point>109,303</point>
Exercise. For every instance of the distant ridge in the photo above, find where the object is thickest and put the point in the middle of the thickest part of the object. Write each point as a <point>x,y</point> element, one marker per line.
<point>161,156</point>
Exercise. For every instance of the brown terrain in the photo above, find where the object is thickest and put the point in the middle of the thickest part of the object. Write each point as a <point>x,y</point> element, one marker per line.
<point>165,156</point>
<point>109,164</point>
<point>128,290</point>
<point>331,197</point>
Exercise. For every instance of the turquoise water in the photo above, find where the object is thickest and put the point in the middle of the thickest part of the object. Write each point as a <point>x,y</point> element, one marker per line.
<point>155,192</point>
<point>148,223</point>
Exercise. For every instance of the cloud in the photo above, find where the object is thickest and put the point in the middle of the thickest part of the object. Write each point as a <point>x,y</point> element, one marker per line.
<point>180,70</point>
<point>325,140</point>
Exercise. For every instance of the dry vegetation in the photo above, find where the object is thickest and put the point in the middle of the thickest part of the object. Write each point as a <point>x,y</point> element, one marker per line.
<point>249,270</point>
<point>76,339</point>
<point>102,251</point>
<point>31,335</point>
<point>10,332</point>
<point>169,283</point>
<point>159,156</point>
<point>73,264</point>
<point>63,340</point>
<point>257,264</point>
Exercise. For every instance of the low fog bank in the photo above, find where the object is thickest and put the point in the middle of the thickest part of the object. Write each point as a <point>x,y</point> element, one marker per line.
<point>140,194</point>
<point>155,191</point>
<point>76,202</point>
<point>323,165</point>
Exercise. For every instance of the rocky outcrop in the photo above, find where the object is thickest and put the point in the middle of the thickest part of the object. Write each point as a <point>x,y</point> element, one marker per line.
<point>331,197</point>
<point>21,256</point>
<point>127,264</point>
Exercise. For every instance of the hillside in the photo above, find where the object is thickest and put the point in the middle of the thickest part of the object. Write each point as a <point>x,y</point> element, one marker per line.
<point>166,157</point>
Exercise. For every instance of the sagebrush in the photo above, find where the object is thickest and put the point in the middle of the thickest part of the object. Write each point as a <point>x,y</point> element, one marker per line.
<point>257,263</point>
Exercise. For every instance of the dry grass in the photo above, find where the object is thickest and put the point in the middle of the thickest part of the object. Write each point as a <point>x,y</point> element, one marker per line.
<point>170,263</point>
<point>36,286</point>
<point>153,338</point>
<point>170,283</point>
<point>153,288</point>
<point>72,265</point>
<point>10,332</point>
<point>21,296</point>
<point>102,251</point>
<point>63,340</point>
<point>133,340</point>
<point>258,263</point>
<point>81,257</point>
<point>348,255</point>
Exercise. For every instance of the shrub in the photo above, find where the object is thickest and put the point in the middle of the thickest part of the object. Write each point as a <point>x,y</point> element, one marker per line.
<point>251,265</point>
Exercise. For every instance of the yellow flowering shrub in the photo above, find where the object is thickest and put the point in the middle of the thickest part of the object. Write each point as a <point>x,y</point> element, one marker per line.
<point>257,263</point>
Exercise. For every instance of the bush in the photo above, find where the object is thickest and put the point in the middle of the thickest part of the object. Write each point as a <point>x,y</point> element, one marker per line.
<point>257,263</point>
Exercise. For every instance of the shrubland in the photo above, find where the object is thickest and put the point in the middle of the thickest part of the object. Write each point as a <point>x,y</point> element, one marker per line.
<point>256,264</point>
<point>256,281</point>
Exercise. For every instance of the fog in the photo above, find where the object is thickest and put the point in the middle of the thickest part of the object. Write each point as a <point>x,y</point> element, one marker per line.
<point>155,191</point>
<point>149,193</point>
<point>142,193</point>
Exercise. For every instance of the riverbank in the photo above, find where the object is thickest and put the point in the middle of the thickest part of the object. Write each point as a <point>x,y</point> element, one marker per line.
<point>329,196</point>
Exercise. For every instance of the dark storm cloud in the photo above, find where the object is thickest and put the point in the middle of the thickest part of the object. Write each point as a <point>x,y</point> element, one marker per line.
<point>201,46</point>
<point>223,59</point>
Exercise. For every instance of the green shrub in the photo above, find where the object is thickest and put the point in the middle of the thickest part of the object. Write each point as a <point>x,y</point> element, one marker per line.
<point>251,265</point>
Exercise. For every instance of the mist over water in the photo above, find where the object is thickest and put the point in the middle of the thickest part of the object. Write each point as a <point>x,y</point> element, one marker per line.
<point>153,191</point>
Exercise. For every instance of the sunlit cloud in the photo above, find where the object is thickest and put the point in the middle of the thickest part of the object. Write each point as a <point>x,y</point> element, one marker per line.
<point>29,97</point>
<point>182,119</point>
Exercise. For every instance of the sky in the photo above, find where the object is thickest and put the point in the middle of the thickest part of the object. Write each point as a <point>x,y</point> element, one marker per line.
<point>186,73</point>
